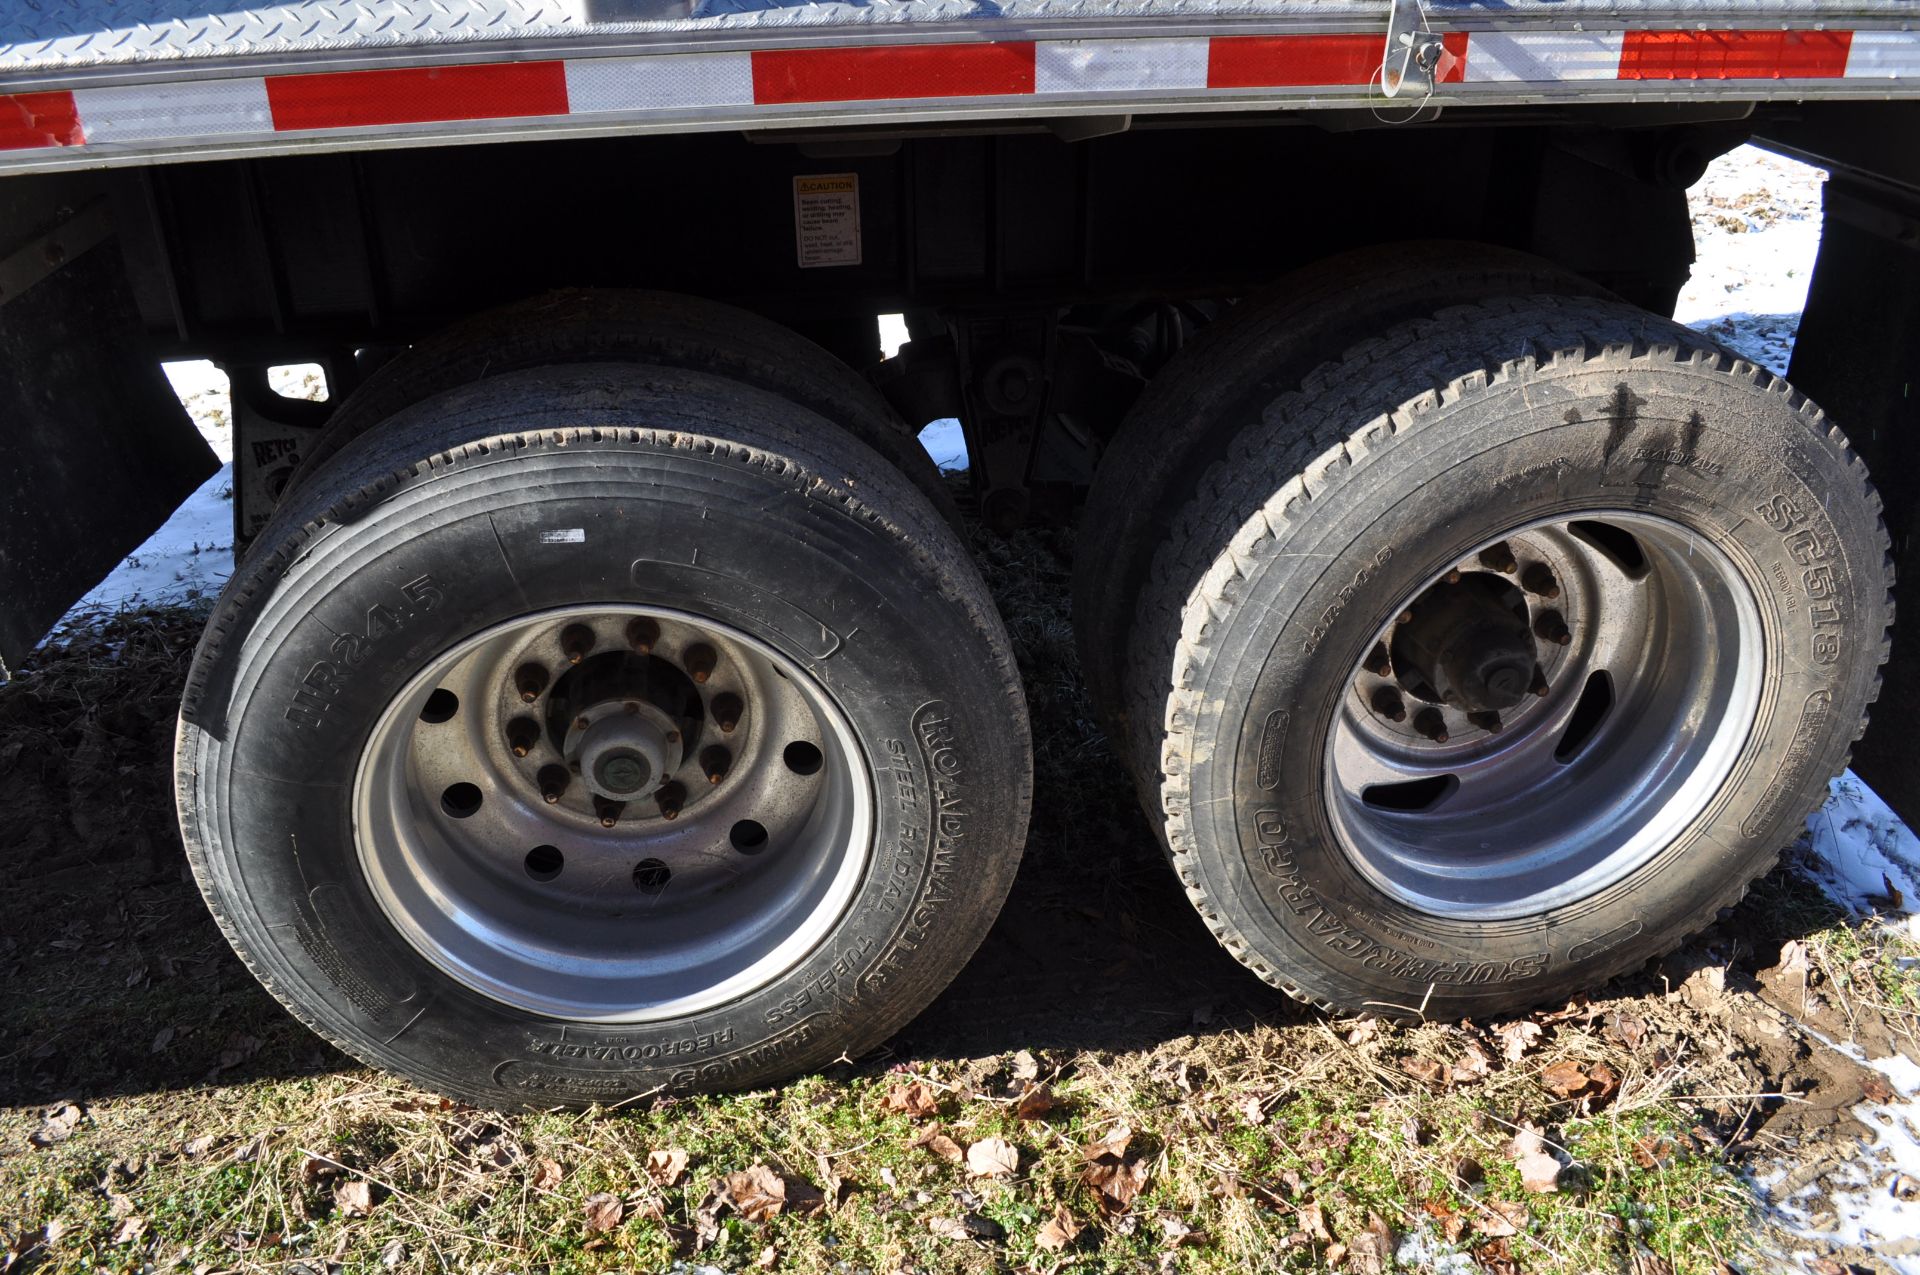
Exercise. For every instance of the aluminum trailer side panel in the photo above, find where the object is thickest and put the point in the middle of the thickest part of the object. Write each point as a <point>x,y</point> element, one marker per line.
<point>89,85</point>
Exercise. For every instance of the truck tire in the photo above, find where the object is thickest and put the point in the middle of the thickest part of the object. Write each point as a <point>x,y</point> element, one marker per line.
<point>1502,654</point>
<point>1185,420</point>
<point>592,325</point>
<point>597,731</point>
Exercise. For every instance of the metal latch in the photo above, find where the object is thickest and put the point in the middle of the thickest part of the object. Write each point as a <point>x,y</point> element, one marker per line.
<point>1413,50</point>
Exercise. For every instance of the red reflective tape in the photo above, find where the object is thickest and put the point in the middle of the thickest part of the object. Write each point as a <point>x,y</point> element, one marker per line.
<point>32,120</point>
<point>417,95</point>
<point>1286,61</point>
<point>1734,55</point>
<point>890,73</point>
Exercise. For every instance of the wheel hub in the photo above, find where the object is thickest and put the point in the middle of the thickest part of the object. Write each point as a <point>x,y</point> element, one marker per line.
<point>616,815</point>
<point>1544,715</point>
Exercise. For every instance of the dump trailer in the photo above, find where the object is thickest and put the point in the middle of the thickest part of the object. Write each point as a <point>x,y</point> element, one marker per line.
<point>605,701</point>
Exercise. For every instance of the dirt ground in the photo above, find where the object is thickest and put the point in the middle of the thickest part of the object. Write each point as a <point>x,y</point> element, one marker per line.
<point>162,1112</point>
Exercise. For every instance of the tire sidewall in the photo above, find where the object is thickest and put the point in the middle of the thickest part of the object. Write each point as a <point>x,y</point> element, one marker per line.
<point>1716,453</point>
<point>669,521</point>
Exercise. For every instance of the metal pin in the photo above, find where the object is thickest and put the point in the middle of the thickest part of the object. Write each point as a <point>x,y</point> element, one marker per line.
<point>1378,662</point>
<point>530,679</point>
<point>1429,723</point>
<point>700,660</point>
<point>1499,557</point>
<point>553,782</point>
<point>1386,702</point>
<point>522,734</point>
<point>726,712</point>
<point>576,642</point>
<point>714,761</point>
<point>642,633</point>
<point>1538,578</point>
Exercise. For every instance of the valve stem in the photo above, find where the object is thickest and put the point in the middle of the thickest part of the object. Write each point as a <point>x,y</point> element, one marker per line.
<point>530,679</point>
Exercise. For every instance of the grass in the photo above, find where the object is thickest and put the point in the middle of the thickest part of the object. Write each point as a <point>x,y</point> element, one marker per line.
<point>218,1135</point>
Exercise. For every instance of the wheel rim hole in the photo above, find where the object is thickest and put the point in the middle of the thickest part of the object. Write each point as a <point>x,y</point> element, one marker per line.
<point>748,836</point>
<point>650,876</point>
<point>1616,543</point>
<point>1413,796</point>
<point>803,758</point>
<point>544,862</point>
<point>440,707</point>
<point>461,800</point>
<point>1596,701</point>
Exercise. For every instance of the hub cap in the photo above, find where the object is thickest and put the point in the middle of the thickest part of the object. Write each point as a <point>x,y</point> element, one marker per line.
<point>1546,715</point>
<point>613,814</point>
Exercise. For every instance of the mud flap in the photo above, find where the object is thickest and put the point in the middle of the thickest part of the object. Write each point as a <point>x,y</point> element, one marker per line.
<point>98,451</point>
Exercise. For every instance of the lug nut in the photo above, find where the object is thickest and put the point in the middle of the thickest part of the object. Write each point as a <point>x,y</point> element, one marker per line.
<point>714,762</point>
<point>726,712</point>
<point>522,734</point>
<point>1378,662</point>
<point>553,782</point>
<point>642,634</point>
<point>1551,628</point>
<point>1386,702</point>
<point>670,798</point>
<point>576,642</point>
<point>700,660</point>
<point>1539,684</point>
<point>1452,577</point>
<point>1486,721</point>
<point>530,679</point>
<point>607,812</point>
<point>1429,723</point>
<point>1538,578</point>
<point>1499,558</point>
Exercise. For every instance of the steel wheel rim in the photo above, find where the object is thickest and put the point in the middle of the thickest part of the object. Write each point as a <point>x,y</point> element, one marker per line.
<point>661,905</point>
<point>1644,711</point>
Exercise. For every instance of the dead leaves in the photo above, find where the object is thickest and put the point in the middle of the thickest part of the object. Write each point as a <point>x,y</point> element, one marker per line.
<point>57,1124</point>
<point>1539,1170</point>
<point>603,1210</point>
<point>1115,1178</point>
<point>993,1158</point>
<point>667,1167</point>
<point>916,1101</point>
<point>940,1144</point>
<point>1035,1101</point>
<point>1058,1231</point>
<point>1591,1084</point>
<point>1517,1038</point>
<point>547,1174</point>
<point>759,1193</point>
<point>355,1198</point>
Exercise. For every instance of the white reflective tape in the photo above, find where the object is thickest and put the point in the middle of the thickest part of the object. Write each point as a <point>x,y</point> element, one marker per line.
<point>659,82</point>
<point>564,536</point>
<point>1119,66</point>
<point>1542,57</point>
<point>1884,55</point>
<point>204,108</point>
